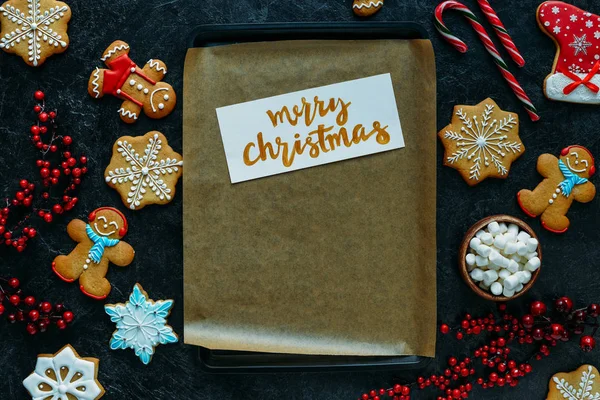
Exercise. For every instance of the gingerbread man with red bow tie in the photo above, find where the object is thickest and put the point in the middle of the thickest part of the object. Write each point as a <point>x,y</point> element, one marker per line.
<point>139,88</point>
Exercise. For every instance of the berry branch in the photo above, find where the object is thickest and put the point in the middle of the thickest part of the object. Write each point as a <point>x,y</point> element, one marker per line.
<point>496,367</point>
<point>56,175</point>
<point>23,309</point>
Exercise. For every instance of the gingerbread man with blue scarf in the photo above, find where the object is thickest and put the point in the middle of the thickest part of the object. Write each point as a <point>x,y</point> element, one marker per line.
<point>566,180</point>
<point>99,242</point>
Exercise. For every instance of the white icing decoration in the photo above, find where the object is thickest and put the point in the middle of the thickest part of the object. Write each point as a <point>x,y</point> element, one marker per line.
<point>141,324</point>
<point>556,83</point>
<point>584,389</point>
<point>84,388</point>
<point>166,97</point>
<point>140,86</point>
<point>146,91</point>
<point>144,171</point>
<point>127,113</point>
<point>35,28</point>
<point>483,142</point>
<point>95,82</point>
<point>580,44</point>
<point>156,65</point>
<point>370,4</point>
<point>152,97</point>
<point>113,51</point>
<point>161,106</point>
<point>132,82</point>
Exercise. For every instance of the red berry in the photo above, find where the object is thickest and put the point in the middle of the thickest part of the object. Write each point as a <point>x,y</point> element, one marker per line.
<point>43,325</point>
<point>76,172</point>
<point>587,343</point>
<point>538,308</point>
<point>83,160</point>
<point>37,108</point>
<point>527,321</point>
<point>12,318</point>
<point>564,305</point>
<point>61,324</point>
<point>444,329</point>
<point>452,361</point>
<point>34,315</point>
<point>31,329</point>
<point>35,130</point>
<point>39,95</point>
<point>1,309</point>
<point>48,217</point>
<point>44,172</point>
<point>46,307</point>
<point>397,388</point>
<point>556,331</point>
<point>71,161</point>
<point>43,129</point>
<point>67,140</point>
<point>594,310</point>
<point>459,336</point>
<point>13,283</point>
<point>59,307</point>
<point>57,209</point>
<point>52,114</point>
<point>68,316</point>
<point>29,300</point>
<point>53,148</point>
<point>14,300</point>
<point>32,232</point>
<point>43,116</point>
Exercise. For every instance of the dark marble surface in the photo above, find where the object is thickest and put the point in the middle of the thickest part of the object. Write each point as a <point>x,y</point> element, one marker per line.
<point>162,29</point>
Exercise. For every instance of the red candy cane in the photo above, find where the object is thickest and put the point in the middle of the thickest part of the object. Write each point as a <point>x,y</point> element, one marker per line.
<point>489,46</point>
<point>501,31</point>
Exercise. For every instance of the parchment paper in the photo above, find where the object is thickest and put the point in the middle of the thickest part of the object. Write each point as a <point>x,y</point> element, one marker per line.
<point>337,259</point>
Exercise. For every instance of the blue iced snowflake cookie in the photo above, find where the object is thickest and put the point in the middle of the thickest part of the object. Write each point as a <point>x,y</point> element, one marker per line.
<point>141,324</point>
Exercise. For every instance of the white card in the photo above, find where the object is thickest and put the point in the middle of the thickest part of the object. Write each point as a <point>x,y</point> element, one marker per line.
<point>310,127</point>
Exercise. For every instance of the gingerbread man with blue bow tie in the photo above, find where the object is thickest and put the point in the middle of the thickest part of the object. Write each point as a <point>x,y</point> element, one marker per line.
<point>99,243</point>
<point>566,180</point>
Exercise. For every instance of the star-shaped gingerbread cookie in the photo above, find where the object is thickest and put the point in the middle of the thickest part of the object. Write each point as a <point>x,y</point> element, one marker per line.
<point>144,170</point>
<point>34,29</point>
<point>481,141</point>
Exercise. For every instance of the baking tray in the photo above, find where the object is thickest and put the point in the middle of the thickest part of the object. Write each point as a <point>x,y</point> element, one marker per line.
<point>223,361</point>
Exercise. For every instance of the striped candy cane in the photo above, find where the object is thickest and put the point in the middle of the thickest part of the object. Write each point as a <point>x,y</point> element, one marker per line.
<point>501,31</point>
<point>489,46</point>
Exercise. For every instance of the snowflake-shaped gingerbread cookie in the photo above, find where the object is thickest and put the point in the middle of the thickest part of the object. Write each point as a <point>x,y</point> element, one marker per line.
<point>144,170</point>
<point>64,375</point>
<point>577,385</point>
<point>141,324</point>
<point>481,141</point>
<point>34,29</point>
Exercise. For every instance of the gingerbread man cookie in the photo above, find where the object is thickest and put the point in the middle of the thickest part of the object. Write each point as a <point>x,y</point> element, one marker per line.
<point>99,242</point>
<point>365,8</point>
<point>481,141</point>
<point>140,88</point>
<point>34,29</point>
<point>566,180</point>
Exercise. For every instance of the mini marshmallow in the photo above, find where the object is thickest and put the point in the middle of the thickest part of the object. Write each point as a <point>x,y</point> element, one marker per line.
<point>519,288</point>
<point>526,277</point>
<point>482,261</point>
<point>523,236</point>
<point>513,266</point>
<point>533,264</point>
<point>503,227</point>
<point>493,266</point>
<point>521,248</point>
<point>493,228</point>
<point>476,275</point>
<point>515,257</point>
<point>529,256</point>
<point>496,289</point>
<point>511,248</point>
<point>508,293</point>
<point>483,286</point>
<point>504,274</point>
<point>487,238</point>
<point>500,242</point>
<point>479,233</point>
<point>513,229</point>
<point>483,250</point>
<point>475,243</point>
<point>470,259</point>
<point>511,282</point>
<point>532,245</point>
<point>490,276</point>
<point>510,236</point>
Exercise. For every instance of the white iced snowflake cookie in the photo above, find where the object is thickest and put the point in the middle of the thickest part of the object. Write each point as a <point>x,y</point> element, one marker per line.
<point>481,141</point>
<point>64,375</point>
<point>141,324</point>
<point>581,384</point>
<point>144,170</point>
<point>34,29</point>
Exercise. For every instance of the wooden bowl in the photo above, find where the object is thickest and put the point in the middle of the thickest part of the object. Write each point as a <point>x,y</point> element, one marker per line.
<point>464,248</point>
